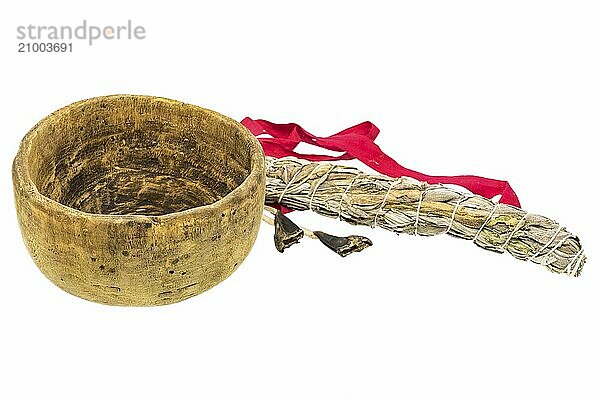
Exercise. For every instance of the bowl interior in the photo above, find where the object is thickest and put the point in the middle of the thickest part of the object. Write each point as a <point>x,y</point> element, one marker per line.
<point>137,155</point>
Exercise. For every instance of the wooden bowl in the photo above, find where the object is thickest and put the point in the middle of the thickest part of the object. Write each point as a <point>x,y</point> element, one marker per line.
<point>137,200</point>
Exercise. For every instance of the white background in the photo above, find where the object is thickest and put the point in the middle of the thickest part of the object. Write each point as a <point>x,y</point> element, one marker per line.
<point>507,89</point>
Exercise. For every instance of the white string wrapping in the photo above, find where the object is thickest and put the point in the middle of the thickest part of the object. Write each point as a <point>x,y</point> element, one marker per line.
<point>514,231</point>
<point>419,210</point>
<point>489,217</point>
<point>387,193</point>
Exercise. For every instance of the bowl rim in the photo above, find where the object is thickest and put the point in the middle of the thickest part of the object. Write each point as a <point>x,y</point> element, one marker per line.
<point>22,178</point>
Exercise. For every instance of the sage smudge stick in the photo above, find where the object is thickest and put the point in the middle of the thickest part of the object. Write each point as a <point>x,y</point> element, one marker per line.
<point>405,205</point>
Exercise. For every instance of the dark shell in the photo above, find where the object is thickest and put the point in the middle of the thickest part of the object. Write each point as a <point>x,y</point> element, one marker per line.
<point>344,245</point>
<point>287,233</point>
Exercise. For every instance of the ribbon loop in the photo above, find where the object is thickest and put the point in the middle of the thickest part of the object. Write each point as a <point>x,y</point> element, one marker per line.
<point>358,142</point>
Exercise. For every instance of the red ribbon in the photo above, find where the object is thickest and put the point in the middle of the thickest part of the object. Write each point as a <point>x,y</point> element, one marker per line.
<point>358,142</point>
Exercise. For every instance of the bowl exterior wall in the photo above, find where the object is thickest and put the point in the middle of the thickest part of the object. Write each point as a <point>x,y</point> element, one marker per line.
<point>139,260</point>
